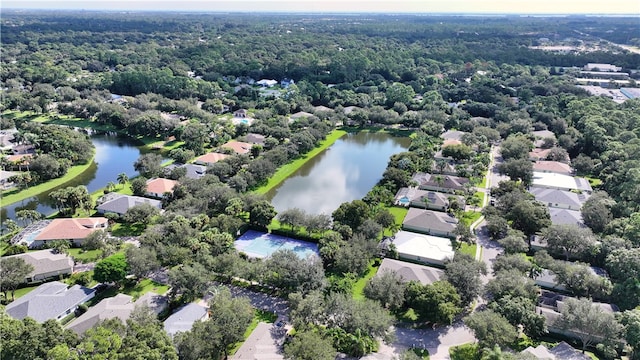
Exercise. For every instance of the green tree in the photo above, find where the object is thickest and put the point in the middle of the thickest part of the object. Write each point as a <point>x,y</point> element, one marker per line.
<point>261,213</point>
<point>286,271</point>
<point>491,329</point>
<point>352,214</point>
<point>141,213</point>
<point>232,316</point>
<point>123,179</point>
<point>463,272</point>
<point>386,288</point>
<point>529,216</point>
<point>630,319</point>
<point>596,211</point>
<point>111,269</point>
<point>589,322</point>
<point>142,261</point>
<point>148,165</point>
<point>521,311</point>
<point>514,242</point>
<point>145,337</point>
<point>13,272</point>
<point>29,216</point>
<point>517,170</point>
<point>139,186</point>
<point>309,345</point>
<point>624,264</point>
<point>189,280</point>
<point>570,241</point>
<point>438,303</point>
<point>516,147</point>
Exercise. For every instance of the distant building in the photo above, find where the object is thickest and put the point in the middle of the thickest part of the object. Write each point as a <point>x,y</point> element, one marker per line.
<point>286,82</point>
<point>267,83</point>
<point>210,158</point>
<point>602,67</point>
<point>253,138</point>
<point>560,182</point>
<point>553,167</point>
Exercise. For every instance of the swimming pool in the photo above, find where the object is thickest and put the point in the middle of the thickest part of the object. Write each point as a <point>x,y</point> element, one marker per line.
<point>260,245</point>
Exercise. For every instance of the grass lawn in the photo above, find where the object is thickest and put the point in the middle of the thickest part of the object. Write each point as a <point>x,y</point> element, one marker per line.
<point>121,229</point>
<point>12,196</point>
<point>144,287</point>
<point>469,217</point>
<point>358,287</point>
<point>465,352</point>
<point>398,213</point>
<point>480,195</point>
<point>85,256</point>
<point>77,122</point>
<point>594,182</point>
<point>286,170</point>
<point>258,317</point>
<point>469,249</point>
<point>24,291</point>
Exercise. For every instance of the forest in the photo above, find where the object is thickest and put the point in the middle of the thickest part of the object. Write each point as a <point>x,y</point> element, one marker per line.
<point>159,76</point>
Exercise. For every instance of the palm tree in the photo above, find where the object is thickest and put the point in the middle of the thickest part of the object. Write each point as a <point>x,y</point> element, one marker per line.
<point>122,179</point>
<point>111,186</point>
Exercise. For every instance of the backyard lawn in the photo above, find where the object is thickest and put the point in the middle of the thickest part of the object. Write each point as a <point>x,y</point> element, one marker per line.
<point>85,256</point>
<point>398,213</point>
<point>358,287</point>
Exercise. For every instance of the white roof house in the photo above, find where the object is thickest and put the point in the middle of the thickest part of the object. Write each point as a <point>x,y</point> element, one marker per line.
<point>560,182</point>
<point>423,248</point>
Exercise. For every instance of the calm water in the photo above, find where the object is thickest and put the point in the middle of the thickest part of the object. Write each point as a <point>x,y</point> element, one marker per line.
<point>114,155</point>
<point>344,172</point>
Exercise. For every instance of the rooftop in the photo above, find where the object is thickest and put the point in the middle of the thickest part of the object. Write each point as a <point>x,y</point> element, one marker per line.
<point>160,185</point>
<point>238,147</point>
<point>410,271</point>
<point>560,181</point>
<point>120,204</point>
<point>182,320</point>
<point>552,166</point>
<point>45,261</point>
<point>49,301</point>
<point>554,197</point>
<point>429,219</point>
<point>71,229</point>
<point>565,217</point>
<point>423,246</point>
<point>211,158</point>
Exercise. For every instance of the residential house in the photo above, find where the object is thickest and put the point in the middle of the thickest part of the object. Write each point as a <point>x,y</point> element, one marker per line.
<point>441,183</point>
<point>47,264</point>
<point>565,217</point>
<point>253,138</point>
<point>349,109</point>
<point>560,182</point>
<point>118,307</point>
<point>53,300</point>
<point>559,198</point>
<point>452,135</point>
<point>430,222</point>
<point>210,158</point>
<point>539,154</point>
<point>422,248</point>
<point>562,351</point>
<point>407,271</point>
<point>159,186</point>
<point>426,199</point>
<point>240,113</point>
<point>444,167</point>
<point>23,149</point>
<point>541,136</point>
<point>195,171</point>
<point>115,203</point>
<point>182,320</point>
<point>321,108</point>
<point>238,147</point>
<point>552,167</point>
<point>5,183</point>
<point>267,83</point>
<point>19,161</point>
<point>550,306</point>
<point>602,67</point>
<point>6,138</point>
<point>547,279</point>
<point>300,114</point>
<point>76,230</point>
<point>286,82</point>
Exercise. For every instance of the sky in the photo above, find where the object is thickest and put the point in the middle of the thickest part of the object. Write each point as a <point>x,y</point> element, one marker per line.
<point>631,7</point>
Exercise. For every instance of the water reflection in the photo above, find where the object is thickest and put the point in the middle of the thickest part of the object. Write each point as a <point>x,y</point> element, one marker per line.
<point>344,172</point>
<point>114,155</point>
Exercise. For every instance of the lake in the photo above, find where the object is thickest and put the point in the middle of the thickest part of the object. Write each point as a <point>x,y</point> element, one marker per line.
<point>344,172</point>
<point>114,155</point>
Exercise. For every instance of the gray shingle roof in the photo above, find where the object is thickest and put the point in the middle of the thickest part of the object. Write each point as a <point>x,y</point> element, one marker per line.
<point>428,219</point>
<point>46,262</point>
<point>447,181</point>
<point>410,271</point>
<point>49,301</point>
<point>565,217</point>
<point>560,197</point>
<point>183,319</point>
<point>120,204</point>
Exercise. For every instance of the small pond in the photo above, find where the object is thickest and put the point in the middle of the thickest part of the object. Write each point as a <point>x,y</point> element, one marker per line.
<point>344,172</point>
